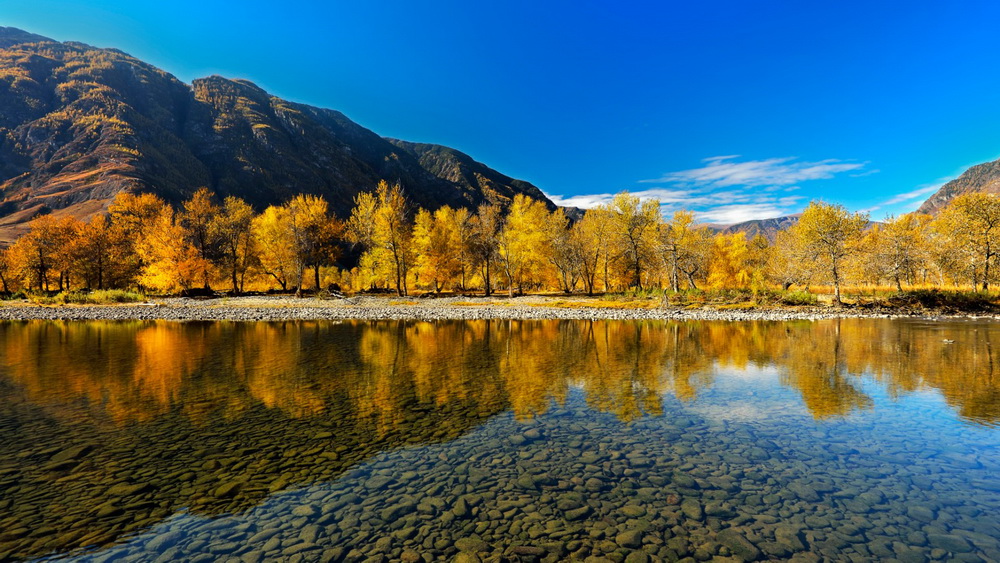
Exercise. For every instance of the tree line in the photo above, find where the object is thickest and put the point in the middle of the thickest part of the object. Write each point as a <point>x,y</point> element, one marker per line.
<point>144,243</point>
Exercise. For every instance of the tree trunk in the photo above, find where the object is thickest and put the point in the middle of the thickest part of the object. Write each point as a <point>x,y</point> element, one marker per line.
<point>316,276</point>
<point>836,287</point>
<point>899,285</point>
<point>690,279</point>
<point>299,278</point>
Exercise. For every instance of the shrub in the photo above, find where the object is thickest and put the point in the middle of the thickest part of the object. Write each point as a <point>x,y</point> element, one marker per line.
<point>99,297</point>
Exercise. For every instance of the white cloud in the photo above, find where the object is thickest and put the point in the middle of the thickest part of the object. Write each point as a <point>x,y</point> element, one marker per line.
<point>725,171</point>
<point>727,191</point>
<point>900,198</point>
<point>730,214</point>
<point>906,196</point>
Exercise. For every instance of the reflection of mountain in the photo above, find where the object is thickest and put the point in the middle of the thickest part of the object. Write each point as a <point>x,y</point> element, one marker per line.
<point>114,426</point>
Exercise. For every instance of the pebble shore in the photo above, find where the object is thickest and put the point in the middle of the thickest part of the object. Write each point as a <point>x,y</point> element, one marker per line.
<point>282,308</point>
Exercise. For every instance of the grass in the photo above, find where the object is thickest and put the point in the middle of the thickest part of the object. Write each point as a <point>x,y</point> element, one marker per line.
<point>99,297</point>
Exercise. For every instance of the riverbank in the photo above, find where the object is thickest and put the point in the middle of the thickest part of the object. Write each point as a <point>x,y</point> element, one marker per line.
<point>281,308</point>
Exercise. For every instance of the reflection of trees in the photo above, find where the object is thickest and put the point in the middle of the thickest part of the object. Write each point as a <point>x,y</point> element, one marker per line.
<point>135,371</point>
<point>277,404</point>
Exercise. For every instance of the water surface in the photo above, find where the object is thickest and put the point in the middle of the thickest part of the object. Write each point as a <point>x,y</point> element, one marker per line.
<point>534,440</point>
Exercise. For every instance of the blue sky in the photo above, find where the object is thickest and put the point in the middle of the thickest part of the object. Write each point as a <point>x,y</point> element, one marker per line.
<point>737,110</point>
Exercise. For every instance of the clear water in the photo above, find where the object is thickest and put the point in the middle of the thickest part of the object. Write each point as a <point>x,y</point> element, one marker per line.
<point>850,440</point>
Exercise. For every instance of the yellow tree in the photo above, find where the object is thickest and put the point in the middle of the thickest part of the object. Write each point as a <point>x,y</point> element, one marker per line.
<point>231,228</point>
<point>195,218</point>
<point>103,254</point>
<point>436,247</point>
<point>830,234</point>
<point>45,250</point>
<point>728,265</point>
<point>693,248</point>
<point>634,226</point>
<point>5,283</point>
<point>522,247</point>
<point>973,222</point>
<point>315,236</point>
<point>381,224</point>
<point>275,244</point>
<point>461,234</point>
<point>566,253</point>
<point>591,237</point>
<point>484,241</point>
<point>898,248</point>
<point>791,262</point>
<point>130,216</point>
<point>170,262</point>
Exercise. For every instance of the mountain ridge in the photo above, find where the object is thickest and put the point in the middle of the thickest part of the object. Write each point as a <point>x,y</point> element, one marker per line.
<point>984,177</point>
<point>81,124</point>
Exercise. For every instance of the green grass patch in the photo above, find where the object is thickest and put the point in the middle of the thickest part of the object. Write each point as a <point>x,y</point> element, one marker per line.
<point>99,297</point>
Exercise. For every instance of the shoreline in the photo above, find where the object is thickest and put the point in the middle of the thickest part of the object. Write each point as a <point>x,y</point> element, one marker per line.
<point>368,308</point>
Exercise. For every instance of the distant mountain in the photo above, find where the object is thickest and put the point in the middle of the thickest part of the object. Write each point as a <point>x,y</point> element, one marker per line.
<point>80,124</point>
<point>980,178</point>
<point>767,227</point>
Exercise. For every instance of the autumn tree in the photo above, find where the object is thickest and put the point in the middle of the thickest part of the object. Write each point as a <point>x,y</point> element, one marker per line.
<point>314,235</point>
<point>566,251</point>
<point>170,261</point>
<point>436,245</point>
<point>275,245</point>
<point>231,229</point>
<point>46,250</point>
<point>381,224</point>
<point>973,222</point>
<point>484,241</point>
<point>897,249</point>
<point>522,247</point>
<point>103,253</point>
<point>694,244</point>
<point>634,223</point>
<point>590,235</point>
<point>131,215</point>
<point>5,284</point>
<point>829,234</point>
<point>195,217</point>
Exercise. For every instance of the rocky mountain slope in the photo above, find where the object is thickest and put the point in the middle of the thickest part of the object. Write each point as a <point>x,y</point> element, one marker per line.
<point>980,178</point>
<point>79,124</point>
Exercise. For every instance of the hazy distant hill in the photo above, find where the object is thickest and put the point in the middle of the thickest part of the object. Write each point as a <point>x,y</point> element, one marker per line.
<point>767,227</point>
<point>980,178</point>
<point>80,124</point>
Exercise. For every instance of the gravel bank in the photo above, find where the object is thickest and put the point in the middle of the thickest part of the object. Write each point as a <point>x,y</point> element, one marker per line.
<point>280,308</point>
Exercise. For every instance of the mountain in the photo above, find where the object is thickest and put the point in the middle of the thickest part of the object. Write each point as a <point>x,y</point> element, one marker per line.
<point>980,178</point>
<point>80,124</point>
<point>767,227</point>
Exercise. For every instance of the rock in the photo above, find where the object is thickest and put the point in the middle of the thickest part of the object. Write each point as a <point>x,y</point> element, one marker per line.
<point>228,489</point>
<point>804,492</point>
<point>577,513</point>
<point>949,542</point>
<point>738,544</point>
<point>410,556</point>
<point>921,513</point>
<point>633,511</point>
<point>637,557</point>
<point>471,545</point>
<point>692,509</point>
<point>685,481</point>
<point>163,541</point>
<point>72,454</point>
<point>630,539</point>
<point>527,551</point>
<point>304,510</point>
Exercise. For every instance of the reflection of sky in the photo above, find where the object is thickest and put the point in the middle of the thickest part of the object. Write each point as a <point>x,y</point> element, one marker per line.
<point>749,394</point>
